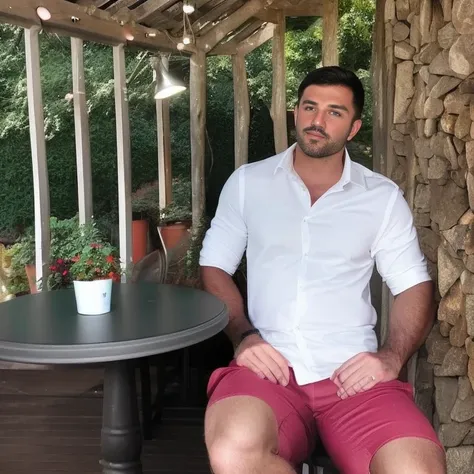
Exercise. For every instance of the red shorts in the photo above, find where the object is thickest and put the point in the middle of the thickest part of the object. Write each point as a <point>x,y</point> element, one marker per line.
<point>352,430</point>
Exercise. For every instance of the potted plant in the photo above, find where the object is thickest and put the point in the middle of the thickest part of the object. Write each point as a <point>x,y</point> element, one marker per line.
<point>175,222</point>
<point>145,209</point>
<point>91,272</point>
<point>23,271</point>
<point>67,236</point>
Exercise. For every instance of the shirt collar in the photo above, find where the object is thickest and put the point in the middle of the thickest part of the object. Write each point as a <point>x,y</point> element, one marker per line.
<point>350,173</point>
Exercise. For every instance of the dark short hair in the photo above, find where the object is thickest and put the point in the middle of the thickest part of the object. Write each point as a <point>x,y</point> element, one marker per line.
<point>336,76</point>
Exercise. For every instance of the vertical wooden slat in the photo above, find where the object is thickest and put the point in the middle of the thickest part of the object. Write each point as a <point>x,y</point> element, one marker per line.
<point>38,153</point>
<point>123,157</point>
<point>197,90</point>
<point>163,140</point>
<point>330,20</point>
<point>279,85</point>
<point>241,110</point>
<point>81,126</point>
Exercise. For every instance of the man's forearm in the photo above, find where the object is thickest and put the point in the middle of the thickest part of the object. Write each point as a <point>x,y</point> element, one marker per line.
<point>410,321</point>
<point>220,284</point>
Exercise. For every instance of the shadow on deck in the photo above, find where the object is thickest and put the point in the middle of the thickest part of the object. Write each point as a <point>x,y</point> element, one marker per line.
<point>50,421</point>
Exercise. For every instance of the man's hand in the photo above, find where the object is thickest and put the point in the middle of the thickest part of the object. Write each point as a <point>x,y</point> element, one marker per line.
<point>261,358</point>
<point>363,371</point>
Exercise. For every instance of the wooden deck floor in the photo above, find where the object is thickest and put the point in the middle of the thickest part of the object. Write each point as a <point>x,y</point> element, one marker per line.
<point>50,421</point>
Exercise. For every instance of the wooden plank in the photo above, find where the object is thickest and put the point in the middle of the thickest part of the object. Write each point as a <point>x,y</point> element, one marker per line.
<point>279,86</point>
<point>226,7</point>
<point>123,158</point>
<point>163,140</point>
<point>93,25</point>
<point>233,21</point>
<point>247,45</point>
<point>330,43</point>
<point>38,153</point>
<point>197,89</point>
<point>81,125</point>
<point>241,111</point>
<point>233,42</point>
<point>289,8</point>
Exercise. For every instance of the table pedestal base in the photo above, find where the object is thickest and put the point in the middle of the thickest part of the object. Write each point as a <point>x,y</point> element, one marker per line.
<point>121,440</point>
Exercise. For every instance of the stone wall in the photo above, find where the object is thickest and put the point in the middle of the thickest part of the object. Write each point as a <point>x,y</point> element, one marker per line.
<point>431,156</point>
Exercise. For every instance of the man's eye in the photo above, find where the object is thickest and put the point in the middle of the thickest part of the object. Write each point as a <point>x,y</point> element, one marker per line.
<point>308,108</point>
<point>337,114</point>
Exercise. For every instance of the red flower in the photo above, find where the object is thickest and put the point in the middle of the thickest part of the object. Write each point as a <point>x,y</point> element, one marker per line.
<point>64,272</point>
<point>89,262</point>
<point>60,261</point>
<point>53,268</point>
<point>110,259</point>
<point>75,259</point>
<point>97,270</point>
<point>96,246</point>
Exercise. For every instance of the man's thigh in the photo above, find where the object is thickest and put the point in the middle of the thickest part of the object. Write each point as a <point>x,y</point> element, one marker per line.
<point>354,429</point>
<point>295,421</point>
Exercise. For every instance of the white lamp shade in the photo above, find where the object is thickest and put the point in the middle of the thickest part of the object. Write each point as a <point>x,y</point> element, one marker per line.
<point>166,85</point>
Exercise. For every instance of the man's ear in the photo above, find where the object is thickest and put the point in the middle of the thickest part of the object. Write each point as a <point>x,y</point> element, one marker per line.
<point>355,129</point>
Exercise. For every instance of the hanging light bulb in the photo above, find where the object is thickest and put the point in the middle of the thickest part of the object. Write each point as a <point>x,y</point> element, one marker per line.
<point>189,6</point>
<point>167,85</point>
<point>43,13</point>
<point>180,46</point>
<point>186,39</point>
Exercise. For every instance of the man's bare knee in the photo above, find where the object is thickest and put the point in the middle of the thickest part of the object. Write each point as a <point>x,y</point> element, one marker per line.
<point>409,456</point>
<point>239,430</point>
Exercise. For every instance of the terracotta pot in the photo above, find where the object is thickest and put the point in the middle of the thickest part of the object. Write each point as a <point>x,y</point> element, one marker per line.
<point>174,233</point>
<point>31,275</point>
<point>139,239</point>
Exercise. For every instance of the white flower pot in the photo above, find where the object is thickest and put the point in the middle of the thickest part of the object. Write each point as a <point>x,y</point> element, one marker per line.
<point>93,297</point>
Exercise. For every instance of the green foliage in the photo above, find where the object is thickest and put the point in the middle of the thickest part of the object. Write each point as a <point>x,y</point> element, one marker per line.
<point>146,202</point>
<point>303,53</point>
<point>68,238</point>
<point>95,262</point>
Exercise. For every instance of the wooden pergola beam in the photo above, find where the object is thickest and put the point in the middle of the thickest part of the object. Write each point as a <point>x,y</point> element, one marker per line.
<point>197,91</point>
<point>248,44</point>
<point>220,31</point>
<point>303,8</point>
<point>241,111</point>
<point>81,127</point>
<point>83,22</point>
<point>124,167</point>
<point>278,110</point>
<point>214,14</point>
<point>163,140</point>
<point>38,154</point>
<point>330,21</point>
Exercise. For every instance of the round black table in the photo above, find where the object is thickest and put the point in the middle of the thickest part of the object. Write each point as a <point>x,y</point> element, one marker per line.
<point>145,319</point>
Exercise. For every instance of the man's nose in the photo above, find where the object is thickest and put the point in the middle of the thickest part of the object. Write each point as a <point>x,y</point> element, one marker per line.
<point>318,119</point>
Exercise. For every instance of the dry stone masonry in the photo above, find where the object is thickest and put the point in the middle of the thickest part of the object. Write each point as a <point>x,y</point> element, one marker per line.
<point>432,157</point>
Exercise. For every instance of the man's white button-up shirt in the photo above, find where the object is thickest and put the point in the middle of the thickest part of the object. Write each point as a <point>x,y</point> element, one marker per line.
<point>309,266</point>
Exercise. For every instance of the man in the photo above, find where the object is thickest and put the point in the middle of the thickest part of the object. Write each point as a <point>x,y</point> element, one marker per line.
<point>312,223</point>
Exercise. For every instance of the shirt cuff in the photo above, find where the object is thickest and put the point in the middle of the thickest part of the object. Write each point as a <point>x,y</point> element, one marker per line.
<point>406,280</point>
<point>205,262</point>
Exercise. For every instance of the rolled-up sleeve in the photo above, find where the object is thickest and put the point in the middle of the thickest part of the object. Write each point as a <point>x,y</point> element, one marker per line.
<point>397,252</point>
<point>226,239</point>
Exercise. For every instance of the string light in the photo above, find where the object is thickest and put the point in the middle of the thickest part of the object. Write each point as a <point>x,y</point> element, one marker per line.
<point>189,7</point>
<point>180,46</point>
<point>43,13</point>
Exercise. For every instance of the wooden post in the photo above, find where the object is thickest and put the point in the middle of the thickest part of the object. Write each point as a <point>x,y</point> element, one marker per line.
<point>278,111</point>
<point>197,90</point>
<point>163,139</point>
<point>81,124</point>
<point>241,110</point>
<point>123,157</point>
<point>330,20</point>
<point>38,154</point>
